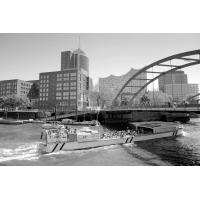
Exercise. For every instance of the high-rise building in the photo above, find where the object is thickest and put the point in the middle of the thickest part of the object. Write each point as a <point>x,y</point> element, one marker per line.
<point>66,59</point>
<point>16,87</point>
<point>67,89</point>
<point>110,86</point>
<point>176,85</point>
<point>177,77</point>
<point>181,92</point>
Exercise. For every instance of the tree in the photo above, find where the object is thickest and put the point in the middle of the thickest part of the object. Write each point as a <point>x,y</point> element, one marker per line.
<point>144,100</point>
<point>158,98</point>
<point>2,100</point>
<point>34,91</point>
<point>12,102</point>
<point>96,99</point>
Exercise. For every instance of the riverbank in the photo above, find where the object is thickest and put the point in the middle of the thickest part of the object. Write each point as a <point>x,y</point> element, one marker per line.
<point>11,121</point>
<point>22,114</point>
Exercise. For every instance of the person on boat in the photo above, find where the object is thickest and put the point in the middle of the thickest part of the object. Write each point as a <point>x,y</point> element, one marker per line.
<point>102,135</point>
<point>66,127</point>
<point>128,131</point>
<point>133,133</point>
<point>140,131</point>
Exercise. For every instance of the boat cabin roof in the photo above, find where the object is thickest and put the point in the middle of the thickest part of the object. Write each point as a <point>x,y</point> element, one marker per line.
<point>153,124</point>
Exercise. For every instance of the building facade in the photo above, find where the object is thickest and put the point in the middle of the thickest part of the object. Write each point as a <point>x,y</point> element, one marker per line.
<point>67,89</point>
<point>177,77</point>
<point>16,87</point>
<point>180,92</point>
<point>176,85</point>
<point>110,86</point>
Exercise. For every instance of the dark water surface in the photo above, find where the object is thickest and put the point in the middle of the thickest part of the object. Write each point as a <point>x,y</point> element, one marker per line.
<point>19,146</point>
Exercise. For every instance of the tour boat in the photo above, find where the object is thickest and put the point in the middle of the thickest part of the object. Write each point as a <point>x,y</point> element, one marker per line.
<point>58,137</point>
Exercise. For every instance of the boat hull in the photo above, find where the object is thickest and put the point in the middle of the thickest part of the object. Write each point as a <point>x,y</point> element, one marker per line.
<point>69,146</point>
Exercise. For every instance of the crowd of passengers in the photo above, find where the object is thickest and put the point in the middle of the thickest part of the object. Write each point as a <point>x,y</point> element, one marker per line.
<point>123,133</point>
<point>62,133</point>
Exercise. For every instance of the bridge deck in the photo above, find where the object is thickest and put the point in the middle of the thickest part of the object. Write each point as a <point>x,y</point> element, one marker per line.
<point>183,109</point>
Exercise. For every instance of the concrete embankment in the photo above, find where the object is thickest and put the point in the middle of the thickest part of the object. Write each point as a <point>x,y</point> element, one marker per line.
<point>22,114</point>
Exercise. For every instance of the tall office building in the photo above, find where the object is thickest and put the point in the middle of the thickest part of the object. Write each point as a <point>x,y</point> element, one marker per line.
<point>76,59</point>
<point>65,60</point>
<point>176,85</point>
<point>181,92</point>
<point>110,86</point>
<point>67,89</point>
<point>177,77</point>
<point>16,87</point>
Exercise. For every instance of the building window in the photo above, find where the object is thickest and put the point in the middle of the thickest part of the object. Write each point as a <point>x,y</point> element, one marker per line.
<point>73,78</point>
<point>66,88</point>
<point>73,88</point>
<point>73,74</point>
<point>66,75</point>
<point>66,84</point>
<point>59,79</point>
<point>65,93</point>
<point>66,79</point>
<point>59,86</point>
<point>73,93</point>
<point>72,97</point>
<point>59,75</point>
<point>72,83</point>
<point>58,94</point>
<point>65,97</point>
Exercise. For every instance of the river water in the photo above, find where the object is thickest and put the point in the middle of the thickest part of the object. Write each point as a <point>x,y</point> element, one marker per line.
<point>19,146</point>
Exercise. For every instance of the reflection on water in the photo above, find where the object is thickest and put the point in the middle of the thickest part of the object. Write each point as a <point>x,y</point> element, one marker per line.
<point>19,146</point>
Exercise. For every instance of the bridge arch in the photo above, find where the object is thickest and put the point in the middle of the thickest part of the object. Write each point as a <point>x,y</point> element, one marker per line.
<point>182,60</point>
<point>193,97</point>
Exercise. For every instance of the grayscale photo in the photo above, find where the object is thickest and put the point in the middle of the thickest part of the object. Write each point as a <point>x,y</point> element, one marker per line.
<point>99,99</point>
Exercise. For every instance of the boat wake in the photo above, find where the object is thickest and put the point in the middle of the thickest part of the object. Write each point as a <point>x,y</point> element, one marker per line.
<point>24,152</point>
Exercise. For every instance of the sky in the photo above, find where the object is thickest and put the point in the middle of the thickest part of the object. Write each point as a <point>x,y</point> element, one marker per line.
<point>24,56</point>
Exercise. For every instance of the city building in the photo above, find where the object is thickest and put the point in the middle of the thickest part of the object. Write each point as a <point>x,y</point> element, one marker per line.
<point>176,85</point>
<point>177,77</point>
<point>16,87</point>
<point>110,86</point>
<point>181,92</point>
<point>67,89</point>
